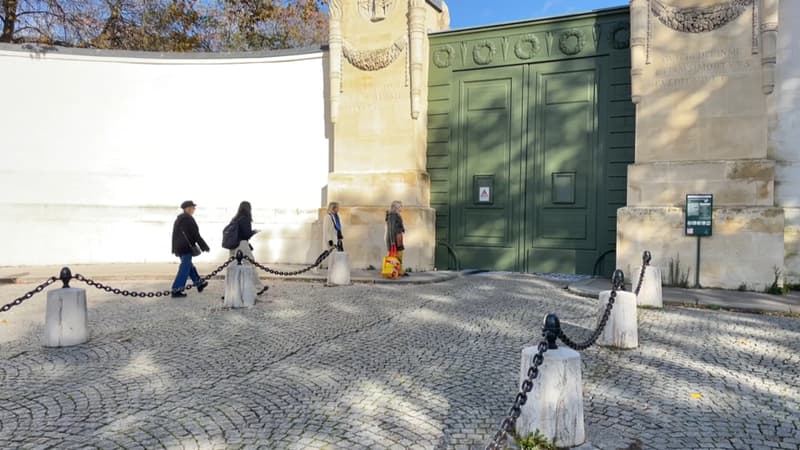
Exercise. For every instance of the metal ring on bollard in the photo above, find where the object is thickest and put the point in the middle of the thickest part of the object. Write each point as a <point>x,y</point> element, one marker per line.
<point>647,257</point>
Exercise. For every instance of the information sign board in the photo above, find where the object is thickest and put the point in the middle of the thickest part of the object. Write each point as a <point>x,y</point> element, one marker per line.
<point>699,211</point>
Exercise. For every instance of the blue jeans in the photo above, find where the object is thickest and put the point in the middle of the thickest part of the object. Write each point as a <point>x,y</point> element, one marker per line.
<point>185,270</point>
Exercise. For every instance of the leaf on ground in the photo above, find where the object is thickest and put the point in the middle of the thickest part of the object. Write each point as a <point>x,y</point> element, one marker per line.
<point>697,395</point>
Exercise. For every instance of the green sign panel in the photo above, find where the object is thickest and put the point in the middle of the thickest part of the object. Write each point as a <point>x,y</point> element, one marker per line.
<point>698,214</point>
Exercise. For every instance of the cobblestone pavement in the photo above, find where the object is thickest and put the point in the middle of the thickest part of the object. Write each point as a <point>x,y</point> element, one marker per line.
<point>383,367</point>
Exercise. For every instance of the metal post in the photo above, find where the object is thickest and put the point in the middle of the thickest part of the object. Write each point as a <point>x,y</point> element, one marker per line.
<point>697,266</point>
<point>551,330</point>
<point>65,276</point>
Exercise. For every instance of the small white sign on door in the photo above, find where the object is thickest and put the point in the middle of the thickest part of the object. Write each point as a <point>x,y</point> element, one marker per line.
<point>485,194</point>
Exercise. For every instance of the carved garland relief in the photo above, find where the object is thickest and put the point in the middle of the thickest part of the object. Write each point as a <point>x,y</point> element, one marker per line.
<point>698,20</point>
<point>371,60</point>
<point>412,43</point>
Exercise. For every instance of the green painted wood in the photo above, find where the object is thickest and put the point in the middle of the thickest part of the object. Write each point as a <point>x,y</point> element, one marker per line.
<point>543,107</point>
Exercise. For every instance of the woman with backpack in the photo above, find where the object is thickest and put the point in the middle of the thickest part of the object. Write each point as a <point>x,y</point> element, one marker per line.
<point>242,227</point>
<point>395,230</point>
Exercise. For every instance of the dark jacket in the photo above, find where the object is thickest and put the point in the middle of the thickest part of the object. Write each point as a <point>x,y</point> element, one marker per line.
<point>245,228</point>
<point>185,234</point>
<point>394,227</point>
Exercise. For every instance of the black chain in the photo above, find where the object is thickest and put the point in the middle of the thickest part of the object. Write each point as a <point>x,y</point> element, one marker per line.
<point>645,262</point>
<point>127,293</point>
<point>617,284</point>
<point>318,261</point>
<point>510,422</point>
<point>28,295</point>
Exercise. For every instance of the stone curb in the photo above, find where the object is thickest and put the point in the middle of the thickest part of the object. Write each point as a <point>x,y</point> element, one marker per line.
<point>413,279</point>
<point>690,299</point>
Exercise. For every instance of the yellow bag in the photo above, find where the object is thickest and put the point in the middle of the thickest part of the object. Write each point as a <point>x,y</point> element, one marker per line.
<point>391,265</point>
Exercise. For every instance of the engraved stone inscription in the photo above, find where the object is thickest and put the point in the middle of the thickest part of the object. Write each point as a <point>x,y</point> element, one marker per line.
<point>675,71</point>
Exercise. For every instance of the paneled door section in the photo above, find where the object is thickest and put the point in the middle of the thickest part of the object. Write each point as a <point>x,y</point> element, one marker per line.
<point>563,166</point>
<point>488,167</point>
<point>524,173</point>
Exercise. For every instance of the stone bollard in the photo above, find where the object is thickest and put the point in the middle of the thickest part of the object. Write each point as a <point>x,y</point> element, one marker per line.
<point>339,269</point>
<point>622,328</point>
<point>66,318</point>
<point>555,403</point>
<point>650,292</point>
<point>240,285</point>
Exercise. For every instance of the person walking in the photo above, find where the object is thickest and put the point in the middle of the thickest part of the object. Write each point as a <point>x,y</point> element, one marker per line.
<point>186,243</point>
<point>244,221</point>
<point>395,231</point>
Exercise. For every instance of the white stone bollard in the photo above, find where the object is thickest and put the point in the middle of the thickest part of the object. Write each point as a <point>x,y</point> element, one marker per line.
<point>67,318</point>
<point>555,403</point>
<point>622,328</point>
<point>240,286</point>
<point>650,292</point>
<point>339,269</point>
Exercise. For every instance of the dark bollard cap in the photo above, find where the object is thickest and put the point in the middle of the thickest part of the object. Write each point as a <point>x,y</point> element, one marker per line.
<point>618,279</point>
<point>551,330</point>
<point>65,276</point>
<point>239,257</point>
<point>647,257</point>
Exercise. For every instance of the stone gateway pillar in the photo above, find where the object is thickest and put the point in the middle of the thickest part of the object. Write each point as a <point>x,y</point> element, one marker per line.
<point>378,76</point>
<point>703,73</point>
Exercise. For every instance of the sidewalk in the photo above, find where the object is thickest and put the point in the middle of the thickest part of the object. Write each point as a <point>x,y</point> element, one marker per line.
<point>166,272</point>
<point>735,300</point>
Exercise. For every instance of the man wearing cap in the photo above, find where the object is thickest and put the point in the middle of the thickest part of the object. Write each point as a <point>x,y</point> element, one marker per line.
<point>185,234</point>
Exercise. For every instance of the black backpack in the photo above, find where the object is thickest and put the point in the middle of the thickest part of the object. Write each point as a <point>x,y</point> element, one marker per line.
<point>230,235</point>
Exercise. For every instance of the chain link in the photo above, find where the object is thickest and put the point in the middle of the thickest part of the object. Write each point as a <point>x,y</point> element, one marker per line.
<point>28,295</point>
<point>324,255</point>
<point>149,294</point>
<point>579,346</point>
<point>509,424</point>
<point>645,263</point>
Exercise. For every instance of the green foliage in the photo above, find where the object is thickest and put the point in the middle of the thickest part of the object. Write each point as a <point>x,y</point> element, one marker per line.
<point>776,288</point>
<point>167,25</point>
<point>742,287</point>
<point>370,267</point>
<point>534,441</point>
<point>675,277</point>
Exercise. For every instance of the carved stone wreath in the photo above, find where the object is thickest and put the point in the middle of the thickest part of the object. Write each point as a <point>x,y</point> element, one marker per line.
<point>564,44</point>
<point>620,36</point>
<point>481,59</point>
<point>443,56</point>
<point>527,47</point>
<point>372,60</point>
<point>698,20</point>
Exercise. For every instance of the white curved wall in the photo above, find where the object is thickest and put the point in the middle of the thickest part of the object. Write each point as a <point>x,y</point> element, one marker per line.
<point>98,151</point>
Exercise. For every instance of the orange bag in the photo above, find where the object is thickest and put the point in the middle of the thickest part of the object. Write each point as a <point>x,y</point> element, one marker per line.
<point>391,265</point>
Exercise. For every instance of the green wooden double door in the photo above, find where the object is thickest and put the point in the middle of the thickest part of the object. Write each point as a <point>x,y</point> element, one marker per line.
<point>526,169</point>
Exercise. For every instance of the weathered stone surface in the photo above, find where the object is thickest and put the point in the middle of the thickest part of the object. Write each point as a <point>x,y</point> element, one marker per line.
<point>339,269</point>
<point>555,404</point>
<point>747,243</point>
<point>733,183</point>
<point>622,328</point>
<point>66,319</point>
<point>650,291</point>
<point>702,77</point>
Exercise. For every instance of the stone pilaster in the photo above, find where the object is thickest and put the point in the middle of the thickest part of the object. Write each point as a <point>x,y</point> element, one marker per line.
<point>380,129</point>
<point>703,71</point>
